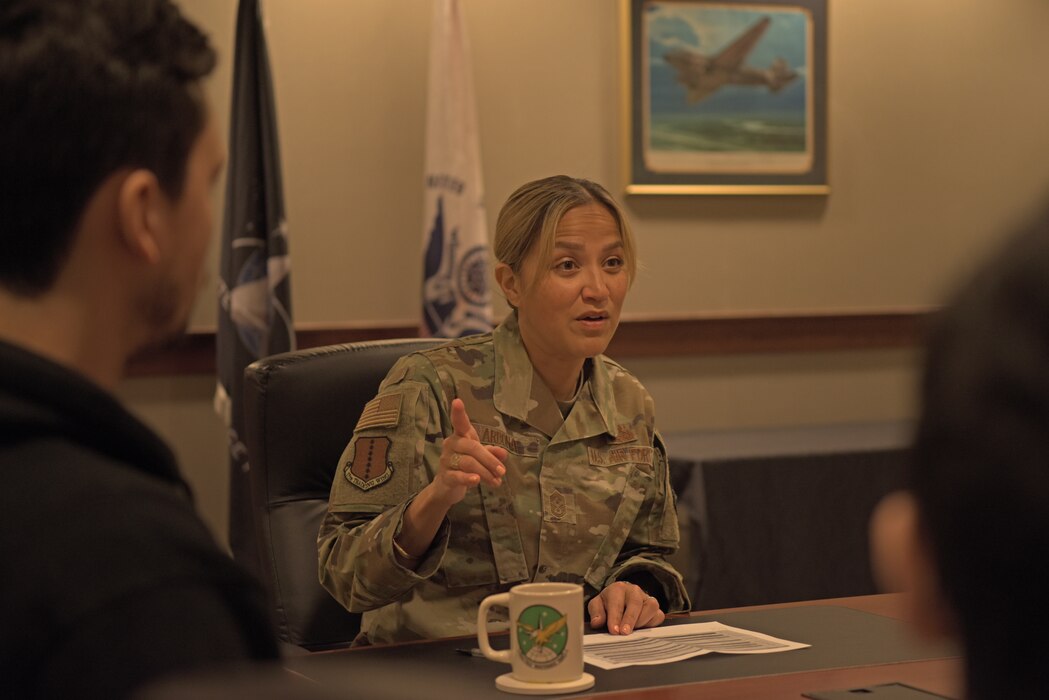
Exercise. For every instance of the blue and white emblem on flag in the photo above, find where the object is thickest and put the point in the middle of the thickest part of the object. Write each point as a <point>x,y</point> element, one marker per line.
<point>456,296</point>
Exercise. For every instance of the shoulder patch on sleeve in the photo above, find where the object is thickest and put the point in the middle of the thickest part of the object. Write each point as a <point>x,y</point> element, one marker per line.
<point>381,412</point>
<point>370,466</point>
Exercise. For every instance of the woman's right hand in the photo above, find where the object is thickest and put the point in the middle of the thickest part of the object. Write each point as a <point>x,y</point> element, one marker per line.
<point>465,462</point>
<point>455,474</point>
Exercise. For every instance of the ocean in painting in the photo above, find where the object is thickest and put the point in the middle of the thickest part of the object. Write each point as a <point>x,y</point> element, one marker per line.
<point>773,133</point>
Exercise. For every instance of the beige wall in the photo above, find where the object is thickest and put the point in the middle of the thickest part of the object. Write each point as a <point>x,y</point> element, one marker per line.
<point>938,142</point>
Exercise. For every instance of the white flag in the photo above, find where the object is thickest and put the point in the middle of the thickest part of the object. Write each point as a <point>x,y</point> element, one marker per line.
<point>456,297</point>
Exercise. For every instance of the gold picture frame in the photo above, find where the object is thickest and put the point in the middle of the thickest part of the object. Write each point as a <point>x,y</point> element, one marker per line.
<point>725,97</point>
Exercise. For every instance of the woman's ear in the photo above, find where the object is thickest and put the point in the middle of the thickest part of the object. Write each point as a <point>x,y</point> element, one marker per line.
<point>509,282</point>
<point>140,215</point>
<point>903,561</point>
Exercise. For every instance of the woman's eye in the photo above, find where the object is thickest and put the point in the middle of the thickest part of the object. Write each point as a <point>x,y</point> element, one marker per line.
<point>565,265</point>
<point>614,262</point>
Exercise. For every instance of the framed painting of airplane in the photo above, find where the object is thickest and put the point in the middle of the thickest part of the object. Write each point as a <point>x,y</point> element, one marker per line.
<point>725,96</point>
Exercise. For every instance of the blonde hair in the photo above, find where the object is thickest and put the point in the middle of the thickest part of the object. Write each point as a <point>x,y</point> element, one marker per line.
<point>530,216</point>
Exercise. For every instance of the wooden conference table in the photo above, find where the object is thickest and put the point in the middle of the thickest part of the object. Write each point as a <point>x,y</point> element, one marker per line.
<point>856,642</point>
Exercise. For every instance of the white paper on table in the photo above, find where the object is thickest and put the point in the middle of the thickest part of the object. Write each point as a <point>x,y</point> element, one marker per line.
<point>662,645</point>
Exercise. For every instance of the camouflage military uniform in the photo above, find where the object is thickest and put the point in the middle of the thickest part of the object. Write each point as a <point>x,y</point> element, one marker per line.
<point>585,499</point>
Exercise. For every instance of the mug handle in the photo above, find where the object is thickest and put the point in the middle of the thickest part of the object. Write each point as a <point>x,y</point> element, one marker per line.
<point>482,627</point>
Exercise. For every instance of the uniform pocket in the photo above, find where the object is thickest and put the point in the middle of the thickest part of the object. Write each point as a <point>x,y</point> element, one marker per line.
<point>638,481</point>
<point>468,560</point>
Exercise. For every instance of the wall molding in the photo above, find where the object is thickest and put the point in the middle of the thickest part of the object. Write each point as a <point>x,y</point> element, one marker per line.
<point>651,336</point>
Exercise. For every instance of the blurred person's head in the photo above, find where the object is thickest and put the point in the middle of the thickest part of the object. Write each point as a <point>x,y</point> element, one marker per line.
<point>109,154</point>
<point>966,540</point>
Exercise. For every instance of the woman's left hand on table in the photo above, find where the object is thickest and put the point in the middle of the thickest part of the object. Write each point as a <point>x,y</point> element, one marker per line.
<point>623,607</point>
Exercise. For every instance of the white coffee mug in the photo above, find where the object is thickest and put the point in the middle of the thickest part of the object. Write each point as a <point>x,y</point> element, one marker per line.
<point>546,634</point>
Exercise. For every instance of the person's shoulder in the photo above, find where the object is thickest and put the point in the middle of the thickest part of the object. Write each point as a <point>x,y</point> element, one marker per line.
<point>461,349</point>
<point>59,472</point>
<point>95,532</point>
<point>460,354</point>
<point>80,475</point>
<point>440,368</point>
<point>611,365</point>
<point>620,377</point>
<point>630,396</point>
<point>112,522</point>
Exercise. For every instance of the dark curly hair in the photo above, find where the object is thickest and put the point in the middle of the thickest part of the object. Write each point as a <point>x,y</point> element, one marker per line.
<point>87,87</point>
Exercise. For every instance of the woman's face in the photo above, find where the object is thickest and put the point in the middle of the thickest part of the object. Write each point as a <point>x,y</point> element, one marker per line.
<point>569,305</point>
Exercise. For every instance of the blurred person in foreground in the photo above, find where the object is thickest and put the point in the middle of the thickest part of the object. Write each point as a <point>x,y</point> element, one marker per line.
<point>519,455</point>
<point>964,542</point>
<point>110,154</point>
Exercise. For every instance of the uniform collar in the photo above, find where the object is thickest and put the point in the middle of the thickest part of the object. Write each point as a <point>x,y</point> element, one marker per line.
<point>520,391</point>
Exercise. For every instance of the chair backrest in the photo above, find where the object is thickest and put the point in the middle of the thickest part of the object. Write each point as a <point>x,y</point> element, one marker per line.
<point>300,411</point>
<point>791,527</point>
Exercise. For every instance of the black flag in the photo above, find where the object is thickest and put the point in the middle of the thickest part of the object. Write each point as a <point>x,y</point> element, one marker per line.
<point>254,318</point>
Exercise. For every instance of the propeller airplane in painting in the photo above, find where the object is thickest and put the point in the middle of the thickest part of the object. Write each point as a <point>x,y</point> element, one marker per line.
<point>704,75</point>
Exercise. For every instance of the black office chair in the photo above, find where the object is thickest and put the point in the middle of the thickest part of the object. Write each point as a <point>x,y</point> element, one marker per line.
<point>791,527</point>
<point>300,410</point>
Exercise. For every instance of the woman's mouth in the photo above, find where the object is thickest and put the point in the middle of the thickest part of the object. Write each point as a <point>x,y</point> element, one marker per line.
<point>593,321</point>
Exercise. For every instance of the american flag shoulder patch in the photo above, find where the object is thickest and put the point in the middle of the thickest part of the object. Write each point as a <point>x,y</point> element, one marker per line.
<point>381,412</point>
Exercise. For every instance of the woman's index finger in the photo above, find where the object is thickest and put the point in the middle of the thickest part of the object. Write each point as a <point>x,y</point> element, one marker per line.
<point>461,421</point>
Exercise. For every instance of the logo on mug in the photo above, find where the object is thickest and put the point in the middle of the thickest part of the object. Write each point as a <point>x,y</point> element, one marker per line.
<point>542,636</point>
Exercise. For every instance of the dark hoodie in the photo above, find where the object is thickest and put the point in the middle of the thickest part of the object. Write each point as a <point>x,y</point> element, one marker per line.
<point>109,577</point>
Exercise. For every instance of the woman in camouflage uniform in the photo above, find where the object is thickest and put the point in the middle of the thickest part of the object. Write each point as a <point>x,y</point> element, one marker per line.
<point>519,455</point>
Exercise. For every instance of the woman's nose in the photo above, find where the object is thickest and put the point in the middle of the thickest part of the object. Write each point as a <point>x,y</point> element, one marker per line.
<point>595,286</point>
